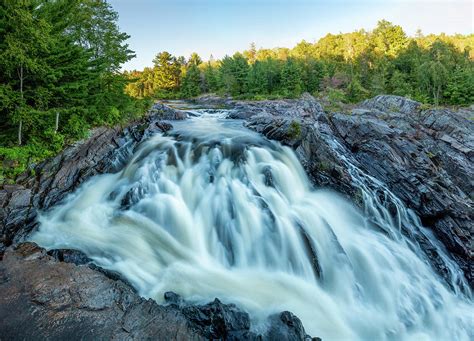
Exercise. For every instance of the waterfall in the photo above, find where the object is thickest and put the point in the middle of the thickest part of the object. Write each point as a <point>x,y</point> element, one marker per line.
<point>214,210</point>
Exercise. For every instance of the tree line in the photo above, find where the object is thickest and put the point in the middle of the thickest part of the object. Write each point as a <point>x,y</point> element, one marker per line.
<point>346,67</point>
<point>60,75</point>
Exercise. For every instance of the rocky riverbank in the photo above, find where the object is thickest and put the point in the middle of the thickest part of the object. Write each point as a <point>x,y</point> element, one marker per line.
<point>43,297</point>
<point>423,156</point>
<point>60,294</point>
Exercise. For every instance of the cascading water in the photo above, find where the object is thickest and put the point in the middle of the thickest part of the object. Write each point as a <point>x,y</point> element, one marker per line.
<point>215,210</point>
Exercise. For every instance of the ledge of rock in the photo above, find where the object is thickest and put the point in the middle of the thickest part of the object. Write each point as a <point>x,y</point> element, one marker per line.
<point>425,157</point>
<point>106,150</point>
<point>43,298</point>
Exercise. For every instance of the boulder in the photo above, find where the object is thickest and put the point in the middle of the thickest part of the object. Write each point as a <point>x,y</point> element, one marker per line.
<point>44,299</point>
<point>391,103</point>
<point>164,112</point>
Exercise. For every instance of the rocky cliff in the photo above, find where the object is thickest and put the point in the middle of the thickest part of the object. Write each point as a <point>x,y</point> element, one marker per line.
<point>60,294</point>
<point>423,156</point>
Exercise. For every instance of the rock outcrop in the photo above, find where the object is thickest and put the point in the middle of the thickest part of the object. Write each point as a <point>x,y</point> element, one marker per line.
<point>45,298</point>
<point>425,157</point>
<point>106,150</point>
<point>61,294</point>
<point>166,112</point>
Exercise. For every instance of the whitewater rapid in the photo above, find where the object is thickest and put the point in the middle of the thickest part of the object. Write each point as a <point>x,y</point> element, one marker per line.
<point>214,210</point>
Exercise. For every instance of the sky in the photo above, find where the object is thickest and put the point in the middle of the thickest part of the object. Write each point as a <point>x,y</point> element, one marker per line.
<point>221,27</point>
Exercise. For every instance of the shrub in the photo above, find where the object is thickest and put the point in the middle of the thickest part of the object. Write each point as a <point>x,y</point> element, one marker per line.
<point>294,131</point>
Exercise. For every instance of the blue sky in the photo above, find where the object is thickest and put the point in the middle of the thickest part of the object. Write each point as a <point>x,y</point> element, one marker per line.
<point>221,27</point>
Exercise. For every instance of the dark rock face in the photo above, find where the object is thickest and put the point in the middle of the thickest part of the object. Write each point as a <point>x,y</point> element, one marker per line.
<point>220,321</point>
<point>70,256</point>
<point>106,150</point>
<point>44,298</point>
<point>288,326</point>
<point>390,103</point>
<point>61,294</point>
<point>425,157</point>
<point>304,108</point>
<point>165,112</point>
<point>212,101</point>
<point>427,161</point>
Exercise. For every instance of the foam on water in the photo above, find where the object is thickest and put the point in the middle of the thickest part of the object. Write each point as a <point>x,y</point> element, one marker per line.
<point>214,210</point>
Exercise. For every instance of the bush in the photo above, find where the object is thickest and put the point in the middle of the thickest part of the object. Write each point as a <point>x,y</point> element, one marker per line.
<point>294,131</point>
<point>336,96</point>
<point>16,160</point>
<point>76,127</point>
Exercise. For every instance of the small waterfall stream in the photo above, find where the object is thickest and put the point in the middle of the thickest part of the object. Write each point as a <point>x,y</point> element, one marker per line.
<point>214,210</point>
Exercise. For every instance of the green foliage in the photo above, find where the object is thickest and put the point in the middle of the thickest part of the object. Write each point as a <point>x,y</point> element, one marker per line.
<point>191,86</point>
<point>233,73</point>
<point>76,127</point>
<point>336,96</point>
<point>355,91</point>
<point>167,72</point>
<point>15,160</point>
<point>291,82</point>
<point>460,87</point>
<point>294,131</point>
<point>345,68</point>
<point>58,59</point>
<point>433,77</point>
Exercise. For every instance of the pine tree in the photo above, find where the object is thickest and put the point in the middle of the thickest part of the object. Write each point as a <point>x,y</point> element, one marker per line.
<point>460,87</point>
<point>433,77</point>
<point>291,78</point>
<point>24,38</point>
<point>167,72</point>
<point>210,78</point>
<point>191,85</point>
<point>233,74</point>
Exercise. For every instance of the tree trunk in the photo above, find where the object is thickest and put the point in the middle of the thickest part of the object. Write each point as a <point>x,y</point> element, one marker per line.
<point>436,92</point>
<point>56,126</point>
<point>20,125</point>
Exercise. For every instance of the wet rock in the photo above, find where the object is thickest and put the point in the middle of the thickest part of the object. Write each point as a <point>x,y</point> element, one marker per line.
<point>42,298</point>
<point>220,321</point>
<point>425,157</point>
<point>286,327</point>
<point>173,299</point>
<point>70,256</point>
<point>164,112</point>
<point>164,126</point>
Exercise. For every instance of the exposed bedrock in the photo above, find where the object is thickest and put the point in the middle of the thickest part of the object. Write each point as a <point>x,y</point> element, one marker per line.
<point>425,157</point>
<point>45,298</point>
<point>61,294</point>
